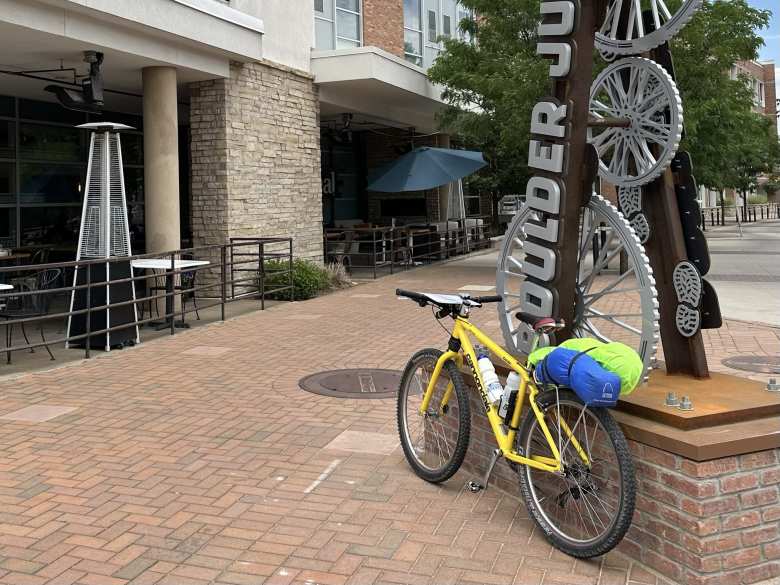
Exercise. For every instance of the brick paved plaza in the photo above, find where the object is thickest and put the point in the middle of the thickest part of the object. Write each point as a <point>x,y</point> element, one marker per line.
<point>197,459</point>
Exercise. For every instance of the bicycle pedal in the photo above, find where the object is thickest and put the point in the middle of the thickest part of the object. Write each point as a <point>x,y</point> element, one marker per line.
<point>474,487</point>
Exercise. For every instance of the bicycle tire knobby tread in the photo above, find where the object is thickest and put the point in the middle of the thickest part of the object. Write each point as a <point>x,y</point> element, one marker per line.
<point>628,479</point>
<point>464,421</point>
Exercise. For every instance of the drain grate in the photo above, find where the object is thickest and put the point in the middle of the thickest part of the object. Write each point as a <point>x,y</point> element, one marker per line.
<point>358,383</point>
<point>754,363</point>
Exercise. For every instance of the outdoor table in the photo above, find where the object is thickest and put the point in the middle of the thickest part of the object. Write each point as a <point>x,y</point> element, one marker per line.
<point>165,264</point>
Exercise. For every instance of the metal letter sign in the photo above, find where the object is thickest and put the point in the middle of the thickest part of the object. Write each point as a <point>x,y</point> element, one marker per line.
<point>569,253</point>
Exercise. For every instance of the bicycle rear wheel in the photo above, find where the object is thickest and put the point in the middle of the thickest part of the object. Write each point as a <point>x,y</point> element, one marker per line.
<point>586,511</point>
<point>434,442</point>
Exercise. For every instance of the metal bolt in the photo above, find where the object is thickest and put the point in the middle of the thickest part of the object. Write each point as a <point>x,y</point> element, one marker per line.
<point>685,403</point>
<point>671,399</point>
<point>773,386</point>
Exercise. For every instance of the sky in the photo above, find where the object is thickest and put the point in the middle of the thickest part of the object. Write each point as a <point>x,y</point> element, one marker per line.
<point>771,49</point>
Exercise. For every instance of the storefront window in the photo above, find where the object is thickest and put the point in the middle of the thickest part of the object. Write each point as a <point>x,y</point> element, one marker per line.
<point>43,182</point>
<point>337,25</point>
<point>7,187</point>
<point>54,143</point>
<point>53,226</point>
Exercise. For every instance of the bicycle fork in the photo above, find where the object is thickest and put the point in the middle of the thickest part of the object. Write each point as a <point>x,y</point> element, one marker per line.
<point>474,485</point>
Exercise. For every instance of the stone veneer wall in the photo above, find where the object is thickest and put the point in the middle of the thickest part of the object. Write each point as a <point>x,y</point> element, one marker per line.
<point>256,157</point>
<point>698,523</point>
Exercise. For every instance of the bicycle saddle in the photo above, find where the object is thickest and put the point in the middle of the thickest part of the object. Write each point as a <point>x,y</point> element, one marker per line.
<point>541,324</point>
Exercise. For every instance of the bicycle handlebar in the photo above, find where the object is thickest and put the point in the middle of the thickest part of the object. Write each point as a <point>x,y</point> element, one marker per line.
<point>488,299</point>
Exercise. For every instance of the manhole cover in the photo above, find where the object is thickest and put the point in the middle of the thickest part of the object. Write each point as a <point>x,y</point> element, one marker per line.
<point>364,383</point>
<point>754,363</point>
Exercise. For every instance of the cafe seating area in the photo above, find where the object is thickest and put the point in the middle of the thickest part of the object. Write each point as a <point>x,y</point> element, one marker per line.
<point>370,250</point>
<point>67,311</point>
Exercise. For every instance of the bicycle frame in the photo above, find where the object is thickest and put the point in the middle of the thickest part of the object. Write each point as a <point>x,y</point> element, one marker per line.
<point>505,439</point>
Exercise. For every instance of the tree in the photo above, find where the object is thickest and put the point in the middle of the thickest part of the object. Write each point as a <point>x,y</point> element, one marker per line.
<point>722,131</point>
<point>491,86</point>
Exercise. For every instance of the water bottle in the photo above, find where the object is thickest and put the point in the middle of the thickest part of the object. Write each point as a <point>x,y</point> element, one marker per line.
<point>512,385</point>
<point>490,378</point>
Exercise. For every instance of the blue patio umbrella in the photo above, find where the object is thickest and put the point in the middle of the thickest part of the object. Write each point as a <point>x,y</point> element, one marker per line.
<point>425,168</point>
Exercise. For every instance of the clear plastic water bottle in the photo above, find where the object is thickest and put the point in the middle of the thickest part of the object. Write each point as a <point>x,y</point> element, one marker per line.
<point>490,378</point>
<point>512,385</point>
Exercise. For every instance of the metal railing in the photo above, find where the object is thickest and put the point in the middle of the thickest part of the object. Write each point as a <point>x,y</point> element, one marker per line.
<point>223,274</point>
<point>718,215</point>
<point>386,249</point>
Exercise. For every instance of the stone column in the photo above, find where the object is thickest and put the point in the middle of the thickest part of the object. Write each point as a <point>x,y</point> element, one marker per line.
<point>161,159</point>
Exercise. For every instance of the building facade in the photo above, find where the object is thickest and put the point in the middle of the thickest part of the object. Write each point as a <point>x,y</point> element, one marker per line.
<point>250,117</point>
<point>760,78</point>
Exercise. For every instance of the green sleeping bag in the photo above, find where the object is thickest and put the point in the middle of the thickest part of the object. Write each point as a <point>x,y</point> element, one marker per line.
<point>614,356</point>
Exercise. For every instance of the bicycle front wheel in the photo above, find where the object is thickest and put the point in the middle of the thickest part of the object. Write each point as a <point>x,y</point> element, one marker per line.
<point>586,510</point>
<point>434,441</point>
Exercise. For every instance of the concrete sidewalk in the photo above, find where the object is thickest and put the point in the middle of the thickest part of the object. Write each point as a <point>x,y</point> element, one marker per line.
<point>197,459</point>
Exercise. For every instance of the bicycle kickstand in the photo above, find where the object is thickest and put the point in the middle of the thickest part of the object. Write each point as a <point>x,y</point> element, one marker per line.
<point>475,486</point>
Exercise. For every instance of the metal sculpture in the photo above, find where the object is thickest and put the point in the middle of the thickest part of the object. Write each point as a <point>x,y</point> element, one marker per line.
<point>572,255</point>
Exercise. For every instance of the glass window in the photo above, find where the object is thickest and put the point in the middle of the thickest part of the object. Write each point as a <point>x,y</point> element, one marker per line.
<point>50,225</point>
<point>432,35</point>
<point>132,148</point>
<point>323,34</point>
<point>7,180</point>
<point>55,143</point>
<point>348,25</point>
<point>413,47</point>
<point>51,183</point>
<point>412,18</point>
<point>446,26</point>
<point>319,6</point>
<point>8,227</point>
<point>7,106</point>
<point>49,112</point>
<point>7,139</point>
<point>352,5</point>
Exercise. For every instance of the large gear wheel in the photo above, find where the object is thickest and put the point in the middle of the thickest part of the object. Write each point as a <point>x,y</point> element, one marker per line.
<point>641,91</point>
<point>634,36</point>
<point>610,305</point>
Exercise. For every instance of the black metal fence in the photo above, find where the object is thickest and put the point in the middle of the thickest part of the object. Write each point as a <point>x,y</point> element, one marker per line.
<point>712,216</point>
<point>150,290</point>
<point>385,250</point>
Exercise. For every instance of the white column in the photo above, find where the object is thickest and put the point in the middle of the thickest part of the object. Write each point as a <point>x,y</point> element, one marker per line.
<point>161,159</point>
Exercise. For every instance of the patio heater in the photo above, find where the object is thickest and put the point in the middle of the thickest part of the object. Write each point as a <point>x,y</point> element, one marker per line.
<point>104,233</point>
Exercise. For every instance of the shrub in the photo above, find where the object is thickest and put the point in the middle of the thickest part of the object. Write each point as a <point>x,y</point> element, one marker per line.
<point>338,275</point>
<point>309,279</point>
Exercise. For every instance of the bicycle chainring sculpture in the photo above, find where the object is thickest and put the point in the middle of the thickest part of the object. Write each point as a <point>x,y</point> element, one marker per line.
<point>573,255</point>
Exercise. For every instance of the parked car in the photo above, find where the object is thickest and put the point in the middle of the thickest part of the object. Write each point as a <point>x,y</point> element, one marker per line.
<point>508,206</point>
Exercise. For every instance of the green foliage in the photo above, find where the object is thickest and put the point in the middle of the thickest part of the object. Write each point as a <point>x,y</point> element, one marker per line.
<point>728,142</point>
<point>491,88</point>
<point>493,84</point>
<point>309,279</point>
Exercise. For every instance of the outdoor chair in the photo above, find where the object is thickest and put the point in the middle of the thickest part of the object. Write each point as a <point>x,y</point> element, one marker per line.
<point>186,287</point>
<point>154,285</point>
<point>35,302</point>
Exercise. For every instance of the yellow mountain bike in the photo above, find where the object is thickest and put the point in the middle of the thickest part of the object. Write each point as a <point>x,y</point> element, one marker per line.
<point>576,474</point>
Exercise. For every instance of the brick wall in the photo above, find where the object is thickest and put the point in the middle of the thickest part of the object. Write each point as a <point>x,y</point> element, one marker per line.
<point>383,25</point>
<point>256,157</point>
<point>698,523</point>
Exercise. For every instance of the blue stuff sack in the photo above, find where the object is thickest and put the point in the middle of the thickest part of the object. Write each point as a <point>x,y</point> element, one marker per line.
<point>594,385</point>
